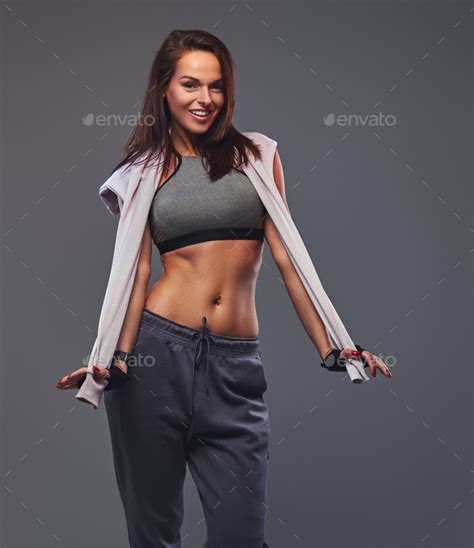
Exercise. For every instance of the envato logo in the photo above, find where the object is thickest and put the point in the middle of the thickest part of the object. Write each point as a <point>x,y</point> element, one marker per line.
<point>389,360</point>
<point>136,360</point>
<point>118,120</point>
<point>376,120</point>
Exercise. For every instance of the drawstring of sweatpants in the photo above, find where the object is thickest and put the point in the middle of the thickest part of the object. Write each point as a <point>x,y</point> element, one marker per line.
<point>203,337</point>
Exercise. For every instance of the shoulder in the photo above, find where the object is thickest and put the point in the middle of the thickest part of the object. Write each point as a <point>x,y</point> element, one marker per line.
<point>271,160</point>
<point>113,192</point>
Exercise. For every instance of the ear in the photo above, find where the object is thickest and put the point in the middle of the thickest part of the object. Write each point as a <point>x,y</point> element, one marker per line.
<point>113,191</point>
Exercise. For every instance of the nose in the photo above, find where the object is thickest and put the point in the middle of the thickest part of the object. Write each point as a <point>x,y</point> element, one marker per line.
<point>204,97</point>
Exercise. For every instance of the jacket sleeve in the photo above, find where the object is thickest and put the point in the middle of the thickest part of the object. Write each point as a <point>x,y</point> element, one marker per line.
<point>114,190</point>
<point>134,198</point>
<point>267,147</point>
<point>261,175</point>
<point>268,156</point>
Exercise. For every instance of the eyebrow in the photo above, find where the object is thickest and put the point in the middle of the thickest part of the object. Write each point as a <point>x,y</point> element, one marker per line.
<point>197,79</point>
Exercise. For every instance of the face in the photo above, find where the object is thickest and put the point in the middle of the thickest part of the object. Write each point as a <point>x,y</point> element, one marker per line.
<point>195,93</point>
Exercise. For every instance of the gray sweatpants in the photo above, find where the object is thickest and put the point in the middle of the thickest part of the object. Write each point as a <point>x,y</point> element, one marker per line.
<point>193,397</point>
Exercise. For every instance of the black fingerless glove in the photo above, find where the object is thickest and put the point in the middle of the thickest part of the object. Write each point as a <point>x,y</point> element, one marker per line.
<point>360,349</point>
<point>117,377</point>
<point>334,361</point>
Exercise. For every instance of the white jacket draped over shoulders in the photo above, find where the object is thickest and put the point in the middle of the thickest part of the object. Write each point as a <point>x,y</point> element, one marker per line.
<point>129,192</point>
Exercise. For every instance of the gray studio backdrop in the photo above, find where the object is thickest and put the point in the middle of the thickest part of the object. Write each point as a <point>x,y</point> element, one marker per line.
<point>371,104</point>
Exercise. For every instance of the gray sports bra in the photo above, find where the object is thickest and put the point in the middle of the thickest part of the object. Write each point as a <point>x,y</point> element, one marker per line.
<point>189,208</point>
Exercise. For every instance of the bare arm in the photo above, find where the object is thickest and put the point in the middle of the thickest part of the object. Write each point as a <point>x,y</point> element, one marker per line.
<point>304,307</point>
<point>136,304</point>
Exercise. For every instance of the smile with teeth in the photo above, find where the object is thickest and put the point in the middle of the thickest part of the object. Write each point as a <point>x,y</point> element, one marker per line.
<point>200,113</point>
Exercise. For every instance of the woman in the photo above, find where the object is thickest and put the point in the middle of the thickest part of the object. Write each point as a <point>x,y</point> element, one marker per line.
<point>196,333</point>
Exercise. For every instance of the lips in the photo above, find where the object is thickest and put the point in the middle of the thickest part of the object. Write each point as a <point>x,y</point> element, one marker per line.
<point>197,114</point>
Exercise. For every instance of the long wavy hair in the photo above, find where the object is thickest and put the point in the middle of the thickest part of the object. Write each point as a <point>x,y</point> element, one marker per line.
<point>222,146</point>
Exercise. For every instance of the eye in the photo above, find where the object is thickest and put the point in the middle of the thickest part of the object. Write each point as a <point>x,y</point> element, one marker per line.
<point>191,85</point>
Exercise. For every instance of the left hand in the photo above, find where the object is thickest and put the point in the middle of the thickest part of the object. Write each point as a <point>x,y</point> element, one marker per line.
<point>374,361</point>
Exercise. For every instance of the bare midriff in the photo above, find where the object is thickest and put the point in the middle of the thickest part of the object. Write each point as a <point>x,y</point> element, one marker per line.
<point>216,279</point>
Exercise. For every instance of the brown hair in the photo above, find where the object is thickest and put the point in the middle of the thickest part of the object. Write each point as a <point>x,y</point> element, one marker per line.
<point>222,146</point>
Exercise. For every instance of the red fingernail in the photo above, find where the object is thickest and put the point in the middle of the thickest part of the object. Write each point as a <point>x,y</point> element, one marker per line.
<point>355,352</point>
<point>96,369</point>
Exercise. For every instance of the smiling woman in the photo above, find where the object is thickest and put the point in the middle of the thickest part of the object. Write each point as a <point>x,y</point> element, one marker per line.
<point>213,198</point>
<point>197,324</point>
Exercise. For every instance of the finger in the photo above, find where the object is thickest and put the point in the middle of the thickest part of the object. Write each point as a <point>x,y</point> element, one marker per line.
<point>64,381</point>
<point>67,386</point>
<point>101,372</point>
<point>350,353</point>
<point>384,368</point>
<point>78,373</point>
<point>71,380</point>
<point>372,365</point>
<point>372,362</point>
<point>74,375</point>
<point>347,353</point>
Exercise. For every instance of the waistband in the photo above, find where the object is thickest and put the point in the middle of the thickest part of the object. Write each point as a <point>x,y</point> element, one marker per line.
<point>219,344</point>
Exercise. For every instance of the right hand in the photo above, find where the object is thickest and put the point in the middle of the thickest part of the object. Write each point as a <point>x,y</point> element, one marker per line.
<point>70,381</point>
